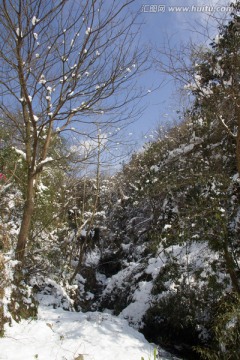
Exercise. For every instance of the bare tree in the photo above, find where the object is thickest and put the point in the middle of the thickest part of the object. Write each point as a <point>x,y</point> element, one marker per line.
<point>62,63</point>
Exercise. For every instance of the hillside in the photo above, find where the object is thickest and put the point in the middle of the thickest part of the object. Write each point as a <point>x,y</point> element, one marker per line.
<point>159,262</point>
<point>92,262</point>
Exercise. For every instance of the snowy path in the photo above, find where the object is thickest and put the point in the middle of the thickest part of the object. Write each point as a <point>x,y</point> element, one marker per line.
<point>62,335</point>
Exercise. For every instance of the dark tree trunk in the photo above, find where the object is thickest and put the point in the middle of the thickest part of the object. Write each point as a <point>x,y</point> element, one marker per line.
<point>238,149</point>
<point>26,221</point>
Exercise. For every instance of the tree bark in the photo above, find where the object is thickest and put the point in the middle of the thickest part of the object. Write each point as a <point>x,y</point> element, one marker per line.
<point>26,221</point>
<point>238,148</point>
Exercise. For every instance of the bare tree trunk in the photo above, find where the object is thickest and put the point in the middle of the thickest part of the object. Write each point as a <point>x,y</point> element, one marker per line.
<point>26,220</point>
<point>80,260</point>
<point>23,84</point>
<point>238,148</point>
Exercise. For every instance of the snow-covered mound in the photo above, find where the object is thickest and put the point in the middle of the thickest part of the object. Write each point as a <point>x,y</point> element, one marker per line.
<point>65,335</point>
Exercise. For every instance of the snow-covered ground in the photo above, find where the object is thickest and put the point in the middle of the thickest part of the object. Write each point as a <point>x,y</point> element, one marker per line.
<point>64,335</point>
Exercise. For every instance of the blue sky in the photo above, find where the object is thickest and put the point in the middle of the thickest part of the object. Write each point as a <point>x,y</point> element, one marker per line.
<point>161,105</point>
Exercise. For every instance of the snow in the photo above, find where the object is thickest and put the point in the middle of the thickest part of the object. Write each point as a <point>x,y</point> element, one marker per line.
<point>19,33</point>
<point>42,80</point>
<point>141,302</point>
<point>35,20</point>
<point>42,187</point>
<point>218,38</point>
<point>93,257</point>
<point>183,149</point>
<point>45,161</point>
<point>154,168</point>
<point>154,265</point>
<point>20,152</point>
<point>63,335</point>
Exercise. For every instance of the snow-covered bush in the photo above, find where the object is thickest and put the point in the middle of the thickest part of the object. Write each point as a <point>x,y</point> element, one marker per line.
<point>2,286</point>
<point>173,230</point>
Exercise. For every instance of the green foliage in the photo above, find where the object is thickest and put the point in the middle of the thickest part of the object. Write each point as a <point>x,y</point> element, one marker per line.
<point>22,304</point>
<point>173,318</point>
<point>225,331</point>
<point>150,357</point>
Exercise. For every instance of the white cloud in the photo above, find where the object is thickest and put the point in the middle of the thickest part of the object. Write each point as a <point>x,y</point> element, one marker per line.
<point>90,145</point>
